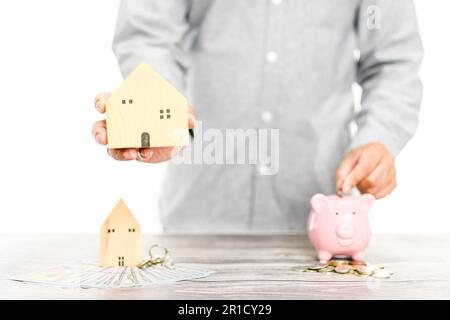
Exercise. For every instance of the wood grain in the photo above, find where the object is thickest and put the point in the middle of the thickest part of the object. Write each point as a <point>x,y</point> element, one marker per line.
<point>247,267</point>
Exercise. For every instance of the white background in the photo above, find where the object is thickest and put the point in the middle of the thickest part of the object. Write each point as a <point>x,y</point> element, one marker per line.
<point>56,55</point>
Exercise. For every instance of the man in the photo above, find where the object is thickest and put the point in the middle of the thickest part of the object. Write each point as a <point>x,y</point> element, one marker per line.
<point>287,64</point>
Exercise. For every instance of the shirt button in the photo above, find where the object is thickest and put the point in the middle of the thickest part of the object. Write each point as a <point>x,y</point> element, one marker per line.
<point>276,2</point>
<point>271,56</point>
<point>356,54</point>
<point>267,116</point>
<point>264,170</point>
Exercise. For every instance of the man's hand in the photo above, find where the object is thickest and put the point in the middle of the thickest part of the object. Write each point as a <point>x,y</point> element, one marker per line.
<point>370,168</point>
<point>153,155</point>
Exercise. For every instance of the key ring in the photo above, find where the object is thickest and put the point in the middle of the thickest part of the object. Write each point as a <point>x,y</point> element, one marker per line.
<point>158,259</point>
<point>153,259</point>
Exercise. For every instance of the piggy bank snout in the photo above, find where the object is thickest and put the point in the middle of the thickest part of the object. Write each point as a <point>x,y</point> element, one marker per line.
<point>345,230</point>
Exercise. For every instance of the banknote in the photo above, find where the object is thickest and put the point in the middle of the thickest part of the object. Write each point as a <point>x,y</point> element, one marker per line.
<point>90,275</point>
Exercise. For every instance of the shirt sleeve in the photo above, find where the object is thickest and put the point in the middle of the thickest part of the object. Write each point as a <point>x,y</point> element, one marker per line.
<point>152,32</point>
<point>390,56</point>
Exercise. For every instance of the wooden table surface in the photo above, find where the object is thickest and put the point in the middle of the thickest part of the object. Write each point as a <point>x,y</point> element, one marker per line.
<point>247,267</point>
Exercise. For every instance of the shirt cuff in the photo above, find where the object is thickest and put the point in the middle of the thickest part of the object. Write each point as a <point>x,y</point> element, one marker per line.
<point>366,135</point>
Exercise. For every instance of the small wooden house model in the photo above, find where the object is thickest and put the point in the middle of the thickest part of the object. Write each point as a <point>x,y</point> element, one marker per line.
<point>146,111</point>
<point>120,238</point>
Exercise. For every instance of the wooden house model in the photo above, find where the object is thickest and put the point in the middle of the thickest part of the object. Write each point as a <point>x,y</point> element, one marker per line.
<point>146,111</point>
<point>120,238</point>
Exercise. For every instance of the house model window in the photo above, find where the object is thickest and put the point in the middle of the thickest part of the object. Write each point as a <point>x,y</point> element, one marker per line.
<point>139,105</point>
<point>166,113</point>
<point>130,101</point>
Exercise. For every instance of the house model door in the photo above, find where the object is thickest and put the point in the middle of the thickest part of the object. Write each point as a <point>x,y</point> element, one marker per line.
<point>145,140</point>
<point>121,261</point>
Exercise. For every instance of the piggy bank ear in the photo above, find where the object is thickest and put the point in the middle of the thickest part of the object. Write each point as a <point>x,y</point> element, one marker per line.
<point>367,201</point>
<point>319,202</point>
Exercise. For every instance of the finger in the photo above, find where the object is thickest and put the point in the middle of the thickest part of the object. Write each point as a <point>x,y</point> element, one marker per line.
<point>192,122</point>
<point>346,166</point>
<point>365,165</point>
<point>386,191</point>
<point>123,154</point>
<point>99,132</point>
<point>382,184</point>
<point>377,178</point>
<point>100,102</point>
<point>191,118</point>
<point>145,155</point>
<point>162,154</point>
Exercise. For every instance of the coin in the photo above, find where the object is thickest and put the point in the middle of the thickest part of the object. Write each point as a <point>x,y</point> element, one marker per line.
<point>363,270</point>
<point>336,263</point>
<point>345,268</point>
<point>326,269</point>
<point>317,267</point>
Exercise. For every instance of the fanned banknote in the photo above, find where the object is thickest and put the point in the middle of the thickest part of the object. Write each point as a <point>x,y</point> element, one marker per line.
<point>90,275</point>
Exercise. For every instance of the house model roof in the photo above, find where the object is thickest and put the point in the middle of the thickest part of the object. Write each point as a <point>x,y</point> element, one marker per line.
<point>120,212</point>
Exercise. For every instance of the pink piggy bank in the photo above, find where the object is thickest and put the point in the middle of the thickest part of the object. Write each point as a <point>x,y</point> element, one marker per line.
<point>339,226</point>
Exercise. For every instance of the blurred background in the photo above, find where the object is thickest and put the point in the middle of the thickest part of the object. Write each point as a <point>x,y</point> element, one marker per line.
<point>56,56</point>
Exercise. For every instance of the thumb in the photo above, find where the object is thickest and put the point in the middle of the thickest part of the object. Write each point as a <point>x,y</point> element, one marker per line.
<point>344,169</point>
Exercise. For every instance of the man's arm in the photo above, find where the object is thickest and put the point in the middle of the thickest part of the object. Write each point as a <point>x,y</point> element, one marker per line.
<point>152,32</point>
<point>390,57</point>
<point>148,31</point>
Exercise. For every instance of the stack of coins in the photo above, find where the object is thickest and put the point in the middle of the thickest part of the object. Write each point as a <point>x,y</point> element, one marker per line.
<point>358,268</point>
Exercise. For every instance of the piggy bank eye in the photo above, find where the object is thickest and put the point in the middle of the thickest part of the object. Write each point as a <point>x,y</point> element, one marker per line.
<point>354,212</point>
<point>337,213</point>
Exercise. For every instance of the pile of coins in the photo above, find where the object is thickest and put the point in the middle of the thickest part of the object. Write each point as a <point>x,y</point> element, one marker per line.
<point>358,268</point>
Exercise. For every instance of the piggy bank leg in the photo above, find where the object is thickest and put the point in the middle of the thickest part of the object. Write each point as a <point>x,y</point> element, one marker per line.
<point>359,256</point>
<point>324,256</point>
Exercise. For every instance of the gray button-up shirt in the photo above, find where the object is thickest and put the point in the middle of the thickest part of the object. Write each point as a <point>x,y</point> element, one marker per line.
<point>287,64</point>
